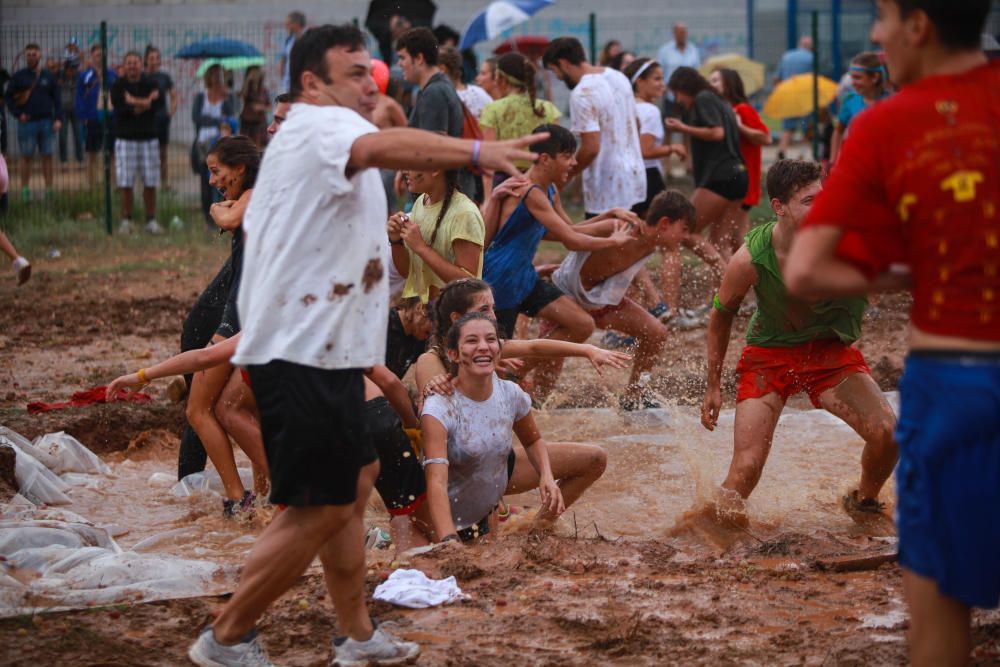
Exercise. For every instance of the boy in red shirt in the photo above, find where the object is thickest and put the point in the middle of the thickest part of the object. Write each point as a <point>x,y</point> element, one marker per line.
<point>918,183</point>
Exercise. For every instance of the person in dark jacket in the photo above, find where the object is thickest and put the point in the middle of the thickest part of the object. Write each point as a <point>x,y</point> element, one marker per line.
<point>211,108</point>
<point>33,98</point>
<point>91,110</point>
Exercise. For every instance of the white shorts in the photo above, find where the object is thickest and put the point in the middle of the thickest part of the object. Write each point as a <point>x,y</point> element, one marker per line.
<point>140,156</point>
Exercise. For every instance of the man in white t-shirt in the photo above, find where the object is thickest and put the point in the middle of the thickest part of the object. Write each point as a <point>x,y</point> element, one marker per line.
<point>602,112</point>
<point>313,302</point>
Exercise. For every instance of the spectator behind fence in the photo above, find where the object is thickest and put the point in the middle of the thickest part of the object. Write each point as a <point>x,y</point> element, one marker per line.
<point>33,98</point>
<point>438,108</point>
<point>137,151</point>
<point>71,132</point>
<point>162,111</point>
<point>91,109</point>
<point>256,103</point>
<point>208,112</point>
<point>296,25</point>
<point>794,62</point>
<point>4,80</point>
<point>677,53</point>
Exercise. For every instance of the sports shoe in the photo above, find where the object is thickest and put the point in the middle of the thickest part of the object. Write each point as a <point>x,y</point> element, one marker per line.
<point>208,652</point>
<point>690,318</point>
<point>230,508</point>
<point>866,506</point>
<point>153,227</point>
<point>376,538</point>
<point>125,226</point>
<point>662,312</point>
<point>381,649</point>
<point>22,270</point>
<point>613,340</point>
<point>642,402</point>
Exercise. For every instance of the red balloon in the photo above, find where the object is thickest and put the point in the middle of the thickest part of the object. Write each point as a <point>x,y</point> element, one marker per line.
<point>380,72</point>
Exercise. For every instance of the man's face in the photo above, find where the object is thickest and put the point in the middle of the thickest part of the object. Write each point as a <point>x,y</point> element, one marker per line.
<point>133,67</point>
<point>52,65</point>
<point>897,37</point>
<point>408,64</point>
<point>153,62</point>
<point>32,57</point>
<point>350,82</point>
<point>280,113</point>
<point>96,55</point>
<point>800,203</point>
<point>680,34</point>
<point>564,76</point>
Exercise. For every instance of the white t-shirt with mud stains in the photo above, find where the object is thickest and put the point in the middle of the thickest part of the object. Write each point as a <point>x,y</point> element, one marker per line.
<point>605,103</point>
<point>313,288</point>
<point>479,440</point>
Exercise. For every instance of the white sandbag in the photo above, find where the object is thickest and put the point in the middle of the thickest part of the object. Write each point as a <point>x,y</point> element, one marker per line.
<point>208,481</point>
<point>161,479</point>
<point>36,482</point>
<point>26,534</point>
<point>69,455</point>
<point>15,439</point>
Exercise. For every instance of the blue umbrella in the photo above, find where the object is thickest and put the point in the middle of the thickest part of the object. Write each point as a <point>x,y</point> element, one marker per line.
<point>497,17</point>
<point>219,48</point>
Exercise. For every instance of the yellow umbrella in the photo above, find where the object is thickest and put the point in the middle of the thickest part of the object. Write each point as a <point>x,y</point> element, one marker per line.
<point>751,71</point>
<point>793,98</point>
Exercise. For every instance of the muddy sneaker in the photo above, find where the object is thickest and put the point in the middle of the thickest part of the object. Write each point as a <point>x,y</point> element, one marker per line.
<point>381,649</point>
<point>662,312</point>
<point>22,270</point>
<point>613,340</point>
<point>867,506</point>
<point>208,652</point>
<point>153,227</point>
<point>638,403</point>
<point>125,226</point>
<point>376,538</point>
<point>688,318</point>
<point>244,507</point>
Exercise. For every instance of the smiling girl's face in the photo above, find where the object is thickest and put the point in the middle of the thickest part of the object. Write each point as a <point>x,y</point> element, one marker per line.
<point>228,180</point>
<point>478,348</point>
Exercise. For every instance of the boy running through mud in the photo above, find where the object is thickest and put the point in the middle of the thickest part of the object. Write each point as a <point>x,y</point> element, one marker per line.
<point>598,280</point>
<point>314,302</point>
<point>792,346</point>
<point>918,183</point>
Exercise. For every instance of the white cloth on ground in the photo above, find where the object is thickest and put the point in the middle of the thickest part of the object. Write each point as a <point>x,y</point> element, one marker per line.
<point>414,589</point>
<point>608,292</point>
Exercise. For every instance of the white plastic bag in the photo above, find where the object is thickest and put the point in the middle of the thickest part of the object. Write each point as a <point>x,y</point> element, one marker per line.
<point>36,482</point>
<point>208,481</point>
<point>67,454</point>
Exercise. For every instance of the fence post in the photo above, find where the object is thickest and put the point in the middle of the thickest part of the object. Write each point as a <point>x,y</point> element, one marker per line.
<point>593,38</point>
<point>815,91</point>
<point>105,144</point>
<point>792,24</point>
<point>750,29</point>
<point>835,54</point>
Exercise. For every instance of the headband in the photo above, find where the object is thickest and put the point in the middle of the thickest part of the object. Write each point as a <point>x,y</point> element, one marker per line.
<point>646,65</point>
<point>513,80</point>
<point>870,70</point>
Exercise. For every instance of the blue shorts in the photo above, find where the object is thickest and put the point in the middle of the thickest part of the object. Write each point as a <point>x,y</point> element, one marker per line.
<point>948,479</point>
<point>801,123</point>
<point>34,134</point>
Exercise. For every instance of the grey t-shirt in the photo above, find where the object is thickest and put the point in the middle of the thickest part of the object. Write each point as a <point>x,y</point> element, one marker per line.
<point>714,160</point>
<point>479,441</point>
<point>438,109</point>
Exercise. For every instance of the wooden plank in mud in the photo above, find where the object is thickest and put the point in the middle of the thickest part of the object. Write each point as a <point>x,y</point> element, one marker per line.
<point>854,562</point>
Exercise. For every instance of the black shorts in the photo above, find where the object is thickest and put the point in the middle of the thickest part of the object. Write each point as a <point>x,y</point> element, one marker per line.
<point>733,188</point>
<point>315,436</point>
<point>541,295</point>
<point>401,481</point>
<point>163,130</point>
<point>96,138</point>
<point>654,186</point>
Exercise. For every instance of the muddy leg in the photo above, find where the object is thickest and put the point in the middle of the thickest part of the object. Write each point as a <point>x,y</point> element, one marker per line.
<point>859,402</point>
<point>236,411</point>
<point>753,433</point>
<point>650,334</point>
<point>574,325</point>
<point>575,467</point>
<point>940,634</point>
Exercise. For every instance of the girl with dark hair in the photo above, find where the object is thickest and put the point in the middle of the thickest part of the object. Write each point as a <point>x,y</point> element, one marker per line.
<point>468,460</point>
<point>256,104</point>
<point>473,97</point>
<point>517,111</point>
<point>441,239</point>
<point>869,80</point>
<point>719,174</point>
<point>753,134</point>
<point>612,48</point>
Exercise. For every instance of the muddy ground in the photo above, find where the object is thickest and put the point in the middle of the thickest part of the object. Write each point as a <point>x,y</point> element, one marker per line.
<point>772,598</point>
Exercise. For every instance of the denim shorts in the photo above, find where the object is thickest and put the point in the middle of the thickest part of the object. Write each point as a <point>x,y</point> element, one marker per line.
<point>35,135</point>
<point>948,479</point>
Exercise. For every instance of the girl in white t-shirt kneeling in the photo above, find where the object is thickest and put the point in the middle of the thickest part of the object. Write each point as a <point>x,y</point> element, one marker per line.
<point>468,458</point>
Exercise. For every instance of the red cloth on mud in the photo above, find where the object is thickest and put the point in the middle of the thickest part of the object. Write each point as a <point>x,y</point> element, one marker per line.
<point>88,397</point>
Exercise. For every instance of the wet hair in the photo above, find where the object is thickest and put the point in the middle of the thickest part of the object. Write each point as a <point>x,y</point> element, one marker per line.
<point>239,151</point>
<point>732,86</point>
<point>689,81</point>
<point>638,64</point>
<point>419,41</point>
<point>455,297</point>
<point>872,65</point>
<point>309,52</point>
<point>786,177</point>
<point>674,206</point>
<point>520,73</point>
<point>564,48</point>
<point>605,57</point>
<point>560,141</point>
<point>451,60</point>
<point>959,24</point>
<point>297,18</point>
<point>283,98</point>
<point>451,185</point>
<point>455,331</point>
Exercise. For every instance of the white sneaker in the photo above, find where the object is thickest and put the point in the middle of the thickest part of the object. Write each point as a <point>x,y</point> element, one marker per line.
<point>208,652</point>
<point>381,649</point>
<point>153,227</point>
<point>22,270</point>
<point>125,226</point>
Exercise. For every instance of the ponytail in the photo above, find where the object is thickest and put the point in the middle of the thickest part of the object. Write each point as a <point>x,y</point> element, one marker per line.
<point>520,72</point>
<point>451,180</point>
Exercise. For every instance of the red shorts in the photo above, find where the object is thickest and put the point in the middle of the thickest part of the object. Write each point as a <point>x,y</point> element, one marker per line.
<point>812,368</point>
<point>245,376</point>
